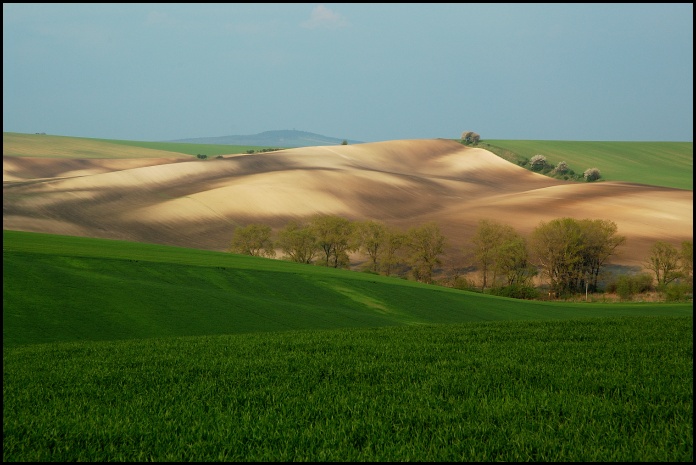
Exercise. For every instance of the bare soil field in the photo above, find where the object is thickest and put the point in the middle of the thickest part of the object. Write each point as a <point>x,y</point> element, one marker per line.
<point>195,203</point>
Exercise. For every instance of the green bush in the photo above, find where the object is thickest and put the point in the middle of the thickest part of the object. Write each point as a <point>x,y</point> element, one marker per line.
<point>626,286</point>
<point>464,284</point>
<point>516,292</point>
<point>676,292</point>
<point>592,174</point>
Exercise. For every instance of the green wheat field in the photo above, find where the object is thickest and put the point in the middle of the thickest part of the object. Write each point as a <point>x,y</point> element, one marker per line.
<point>118,351</point>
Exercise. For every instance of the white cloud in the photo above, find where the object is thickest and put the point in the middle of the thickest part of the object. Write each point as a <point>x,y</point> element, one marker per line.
<point>324,18</point>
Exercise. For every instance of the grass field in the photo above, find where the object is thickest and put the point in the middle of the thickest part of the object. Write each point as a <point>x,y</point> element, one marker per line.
<point>62,289</point>
<point>667,164</point>
<point>597,389</point>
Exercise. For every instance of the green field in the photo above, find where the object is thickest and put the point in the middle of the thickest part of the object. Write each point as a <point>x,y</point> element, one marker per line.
<point>667,164</point>
<point>119,351</point>
<point>597,389</point>
<point>62,289</point>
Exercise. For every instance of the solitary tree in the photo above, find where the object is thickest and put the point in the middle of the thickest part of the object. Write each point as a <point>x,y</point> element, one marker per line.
<point>470,137</point>
<point>253,239</point>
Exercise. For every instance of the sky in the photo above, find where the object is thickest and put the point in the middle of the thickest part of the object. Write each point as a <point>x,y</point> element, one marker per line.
<point>359,71</point>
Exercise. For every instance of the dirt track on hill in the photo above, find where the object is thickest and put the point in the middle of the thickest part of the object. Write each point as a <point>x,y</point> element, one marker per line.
<point>197,203</point>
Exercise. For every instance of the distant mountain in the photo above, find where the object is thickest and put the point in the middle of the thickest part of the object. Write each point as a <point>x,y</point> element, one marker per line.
<point>279,139</point>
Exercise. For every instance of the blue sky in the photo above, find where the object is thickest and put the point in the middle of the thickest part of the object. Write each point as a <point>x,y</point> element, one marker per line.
<point>368,72</point>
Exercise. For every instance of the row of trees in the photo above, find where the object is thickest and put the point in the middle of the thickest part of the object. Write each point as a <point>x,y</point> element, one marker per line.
<point>567,252</point>
<point>329,239</point>
<point>537,163</point>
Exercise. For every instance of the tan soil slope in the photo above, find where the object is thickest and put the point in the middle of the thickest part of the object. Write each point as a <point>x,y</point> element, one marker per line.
<point>195,203</point>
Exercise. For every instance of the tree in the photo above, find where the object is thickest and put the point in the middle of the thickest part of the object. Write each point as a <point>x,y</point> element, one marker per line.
<point>557,246</point>
<point>394,242</point>
<point>499,249</point>
<point>345,142</point>
<point>425,244</point>
<point>572,252</point>
<point>600,240</point>
<point>253,239</point>
<point>470,137</point>
<point>371,237</point>
<point>512,261</point>
<point>488,237</point>
<point>335,238</point>
<point>664,262</point>
<point>297,242</point>
<point>591,174</point>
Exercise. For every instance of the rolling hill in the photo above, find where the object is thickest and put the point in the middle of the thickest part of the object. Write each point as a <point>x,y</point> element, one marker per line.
<point>197,203</point>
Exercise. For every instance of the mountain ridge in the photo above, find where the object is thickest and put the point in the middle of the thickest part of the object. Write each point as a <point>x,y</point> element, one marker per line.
<point>285,138</point>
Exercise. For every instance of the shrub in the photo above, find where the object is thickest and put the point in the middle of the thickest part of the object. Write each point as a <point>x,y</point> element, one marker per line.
<point>464,284</point>
<point>516,292</point>
<point>675,292</point>
<point>537,162</point>
<point>591,174</point>
<point>626,286</point>
<point>561,168</point>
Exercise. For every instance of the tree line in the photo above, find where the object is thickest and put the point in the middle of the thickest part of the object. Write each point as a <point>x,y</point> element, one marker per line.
<point>568,254</point>
<point>329,239</point>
